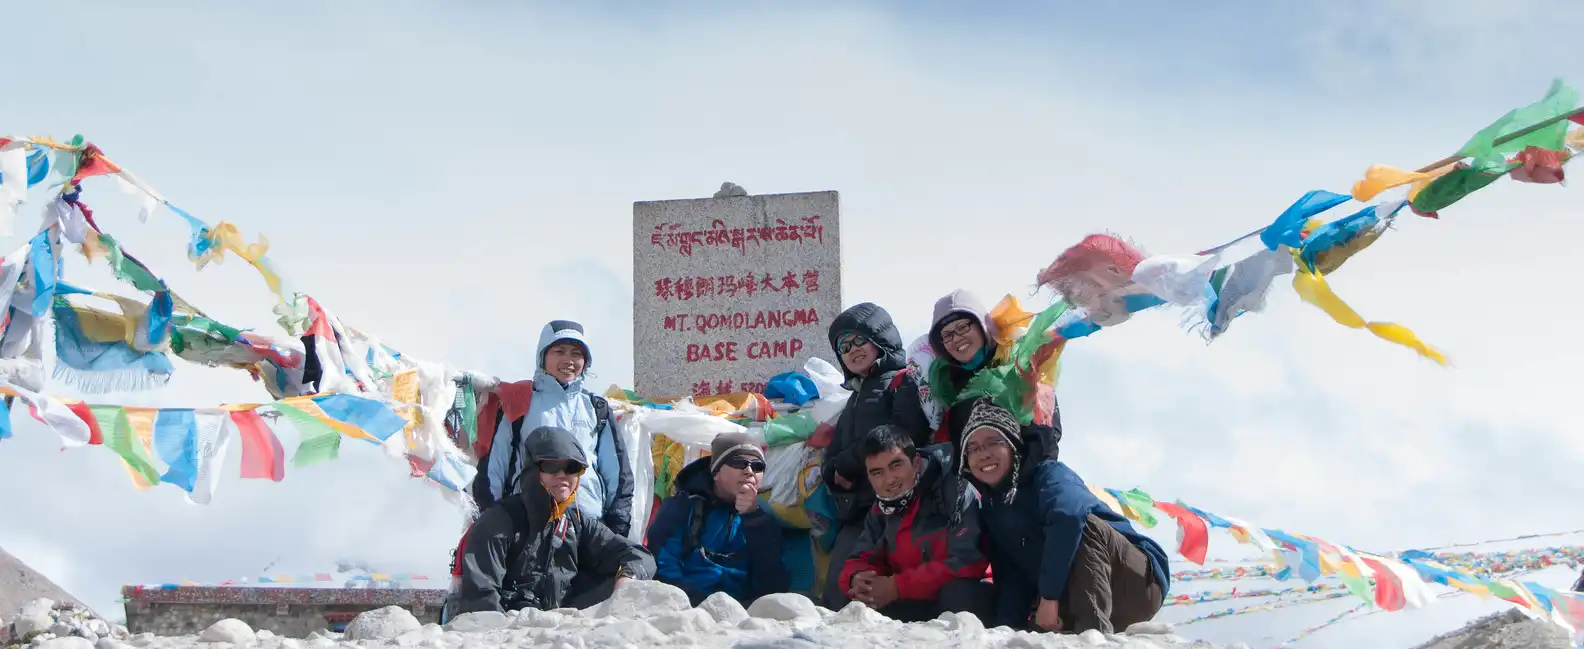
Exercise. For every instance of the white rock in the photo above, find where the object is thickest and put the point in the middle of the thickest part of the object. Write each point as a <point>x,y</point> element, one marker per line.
<point>478,621</point>
<point>621,633</point>
<point>535,618</point>
<point>783,606</point>
<point>381,624</point>
<point>290,643</point>
<point>962,622</point>
<point>320,642</point>
<point>756,624</point>
<point>1139,643</point>
<point>1094,638</point>
<point>683,623</point>
<point>860,614</point>
<point>120,632</point>
<point>34,617</point>
<point>108,643</point>
<point>724,608</point>
<point>98,627</point>
<point>1151,627</point>
<point>142,639</point>
<point>60,629</point>
<point>264,634</point>
<point>70,642</point>
<point>569,612</point>
<point>229,630</point>
<point>637,599</point>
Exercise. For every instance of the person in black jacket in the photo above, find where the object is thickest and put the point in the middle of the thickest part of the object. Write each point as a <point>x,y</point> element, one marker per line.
<point>874,360</point>
<point>536,549</point>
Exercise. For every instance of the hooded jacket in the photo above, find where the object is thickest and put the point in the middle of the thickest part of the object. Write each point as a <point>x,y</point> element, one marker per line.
<point>606,492</point>
<point>920,546</point>
<point>1034,539</point>
<point>950,377</point>
<point>739,555</point>
<point>886,395</point>
<point>506,566</point>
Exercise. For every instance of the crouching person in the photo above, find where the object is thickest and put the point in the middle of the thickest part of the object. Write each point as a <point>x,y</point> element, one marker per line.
<point>536,549</point>
<point>919,553</point>
<point>715,535</point>
<point>1056,550</point>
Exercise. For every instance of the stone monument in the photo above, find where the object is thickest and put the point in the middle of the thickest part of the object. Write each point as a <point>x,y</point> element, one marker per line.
<point>732,290</point>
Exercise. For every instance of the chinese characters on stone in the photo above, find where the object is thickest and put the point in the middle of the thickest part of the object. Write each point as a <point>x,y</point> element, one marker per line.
<point>690,288</point>
<point>670,236</point>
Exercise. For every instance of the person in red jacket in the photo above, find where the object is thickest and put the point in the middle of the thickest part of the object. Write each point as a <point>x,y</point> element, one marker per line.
<point>919,554</point>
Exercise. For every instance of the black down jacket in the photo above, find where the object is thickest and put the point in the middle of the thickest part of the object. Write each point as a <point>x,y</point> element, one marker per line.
<point>526,558</point>
<point>886,395</point>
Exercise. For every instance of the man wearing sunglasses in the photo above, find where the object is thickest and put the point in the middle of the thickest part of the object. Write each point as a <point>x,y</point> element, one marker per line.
<point>715,535</point>
<point>536,549</point>
<point>920,551</point>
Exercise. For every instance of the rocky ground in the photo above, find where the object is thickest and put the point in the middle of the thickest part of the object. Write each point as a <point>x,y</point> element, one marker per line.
<point>44,620</point>
<point>641,614</point>
<point>1509,629</point>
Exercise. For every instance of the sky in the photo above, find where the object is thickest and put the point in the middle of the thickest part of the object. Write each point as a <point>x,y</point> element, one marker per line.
<point>452,175</point>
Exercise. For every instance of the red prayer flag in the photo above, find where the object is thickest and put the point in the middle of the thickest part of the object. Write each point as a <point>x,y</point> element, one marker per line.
<point>1193,537</point>
<point>91,162</point>
<point>262,455</point>
<point>1388,589</point>
<point>83,413</point>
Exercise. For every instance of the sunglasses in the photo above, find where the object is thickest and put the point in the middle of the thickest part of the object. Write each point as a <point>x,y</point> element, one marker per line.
<point>954,332</point>
<point>553,467</point>
<point>743,463</point>
<point>850,343</point>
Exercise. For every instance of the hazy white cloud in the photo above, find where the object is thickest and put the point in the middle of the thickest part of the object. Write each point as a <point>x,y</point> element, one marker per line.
<point>451,178</point>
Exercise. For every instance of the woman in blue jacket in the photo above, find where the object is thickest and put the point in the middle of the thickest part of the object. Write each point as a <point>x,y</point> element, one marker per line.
<point>715,535</point>
<point>1055,550</point>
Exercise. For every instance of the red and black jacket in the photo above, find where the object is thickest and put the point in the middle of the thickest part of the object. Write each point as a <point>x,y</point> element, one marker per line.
<point>921,547</point>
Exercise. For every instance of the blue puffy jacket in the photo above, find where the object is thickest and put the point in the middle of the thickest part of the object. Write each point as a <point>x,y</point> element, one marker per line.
<point>723,551</point>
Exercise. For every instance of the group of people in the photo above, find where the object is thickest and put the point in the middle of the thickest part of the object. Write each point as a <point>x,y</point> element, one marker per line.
<point>978,515</point>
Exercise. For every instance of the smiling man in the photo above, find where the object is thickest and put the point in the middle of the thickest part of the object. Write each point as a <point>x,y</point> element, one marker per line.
<point>715,535</point>
<point>919,553</point>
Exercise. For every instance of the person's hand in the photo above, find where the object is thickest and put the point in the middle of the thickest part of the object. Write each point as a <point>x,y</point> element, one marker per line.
<point>1048,616</point>
<point>843,482</point>
<point>859,591</point>
<point>882,592</point>
<point>747,499</point>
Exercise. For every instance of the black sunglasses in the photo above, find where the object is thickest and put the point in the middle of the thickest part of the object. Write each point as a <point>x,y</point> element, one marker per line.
<point>850,343</point>
<point>552,467</point>
<point>743,463</point>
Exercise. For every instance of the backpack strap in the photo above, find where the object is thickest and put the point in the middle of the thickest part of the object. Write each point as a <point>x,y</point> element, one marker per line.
<point>601,419</point>
<point>695,525</point>
<point>512,470</point>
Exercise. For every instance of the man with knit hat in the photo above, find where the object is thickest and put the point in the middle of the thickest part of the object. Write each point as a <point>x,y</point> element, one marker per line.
<point>1057,551</point>
<point>715,535</point>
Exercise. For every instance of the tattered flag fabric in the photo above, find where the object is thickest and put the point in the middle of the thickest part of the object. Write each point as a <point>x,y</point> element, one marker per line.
<point>105,364</point>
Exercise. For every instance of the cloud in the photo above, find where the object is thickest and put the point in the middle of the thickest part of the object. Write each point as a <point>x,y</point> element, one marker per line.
<point>450,178</point>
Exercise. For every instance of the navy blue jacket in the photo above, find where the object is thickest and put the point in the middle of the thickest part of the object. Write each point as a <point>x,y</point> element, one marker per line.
<point>1034,540</point>
<point>735,554</point>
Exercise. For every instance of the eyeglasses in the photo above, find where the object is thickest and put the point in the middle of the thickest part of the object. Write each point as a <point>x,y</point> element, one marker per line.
<point>553,467</point>
<point>743,463</point>
<point>960,330</point>
<point>850,343</point>
<point>975,449</point>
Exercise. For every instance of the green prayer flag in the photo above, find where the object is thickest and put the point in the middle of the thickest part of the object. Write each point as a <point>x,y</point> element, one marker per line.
<point>470,415</point>
<point>1560,100</point>
<point>127,270</point>
<point>789,429</point>
<point>1459,183</point>
<point>118,437</point>
<point>1142,505</point>
<point>319,442</point>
